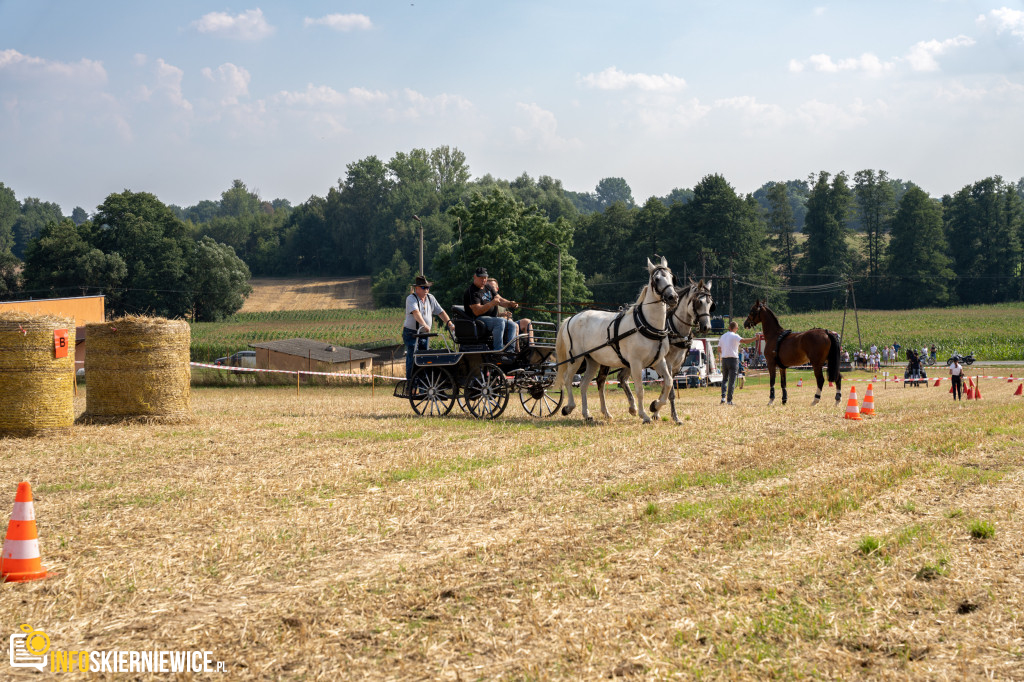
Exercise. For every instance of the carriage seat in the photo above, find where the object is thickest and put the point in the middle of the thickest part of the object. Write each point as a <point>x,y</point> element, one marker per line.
<point>469,332</point>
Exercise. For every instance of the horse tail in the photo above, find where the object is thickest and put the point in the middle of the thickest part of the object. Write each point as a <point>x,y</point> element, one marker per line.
<point>833,357</point>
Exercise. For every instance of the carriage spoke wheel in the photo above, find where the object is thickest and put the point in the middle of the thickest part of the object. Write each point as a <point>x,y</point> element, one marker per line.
<point>540,400</point>
<point>486,392</point>
<point>432,392</point>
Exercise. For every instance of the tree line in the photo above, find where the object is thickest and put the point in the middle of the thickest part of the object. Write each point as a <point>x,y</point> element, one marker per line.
<point>798,242</point>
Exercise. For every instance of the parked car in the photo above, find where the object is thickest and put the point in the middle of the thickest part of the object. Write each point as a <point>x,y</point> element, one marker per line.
<point>221,361</point>
<point>243,358</point>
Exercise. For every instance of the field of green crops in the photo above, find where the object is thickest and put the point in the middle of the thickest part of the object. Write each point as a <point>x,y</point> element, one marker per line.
<point>351,328</point>
<point>992,332</point>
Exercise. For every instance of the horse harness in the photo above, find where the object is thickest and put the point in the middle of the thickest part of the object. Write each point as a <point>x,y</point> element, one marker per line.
<point>778,343</point>
<point>640,325</point>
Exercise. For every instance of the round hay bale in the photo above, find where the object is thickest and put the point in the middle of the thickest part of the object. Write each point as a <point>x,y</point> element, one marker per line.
<point>136,369</point>
<point>36,387</point>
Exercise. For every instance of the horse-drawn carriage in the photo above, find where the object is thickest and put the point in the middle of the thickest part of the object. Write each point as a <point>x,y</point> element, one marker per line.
<point>914,374</point>
<point>468,372</point>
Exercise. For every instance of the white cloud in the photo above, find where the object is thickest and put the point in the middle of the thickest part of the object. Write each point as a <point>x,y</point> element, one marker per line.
<point>168,86</point>
<point>421,105</point>
<point>233,81</point>
<point>249,25</point>
<point>750,108</point>
<point>541,129</point>
<point>820,116</point>
<point>312,96</point>
<point>922,55</point>
<point>867,63</point>
<point>35,69</point>
<point>1006,19</point>
<point>342,22</point>
<point>613,79</point>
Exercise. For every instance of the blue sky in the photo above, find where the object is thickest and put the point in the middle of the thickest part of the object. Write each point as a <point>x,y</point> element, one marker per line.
<point>181,98</point>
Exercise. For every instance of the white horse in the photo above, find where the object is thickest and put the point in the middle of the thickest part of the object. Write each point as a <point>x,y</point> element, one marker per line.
<point>694,310</point>
<point>634,338</point>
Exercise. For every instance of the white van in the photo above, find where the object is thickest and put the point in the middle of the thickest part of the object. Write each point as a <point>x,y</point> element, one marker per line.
<point>699,368</point>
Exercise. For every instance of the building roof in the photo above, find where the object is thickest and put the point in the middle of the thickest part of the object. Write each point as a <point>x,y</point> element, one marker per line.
<point>314,350</point>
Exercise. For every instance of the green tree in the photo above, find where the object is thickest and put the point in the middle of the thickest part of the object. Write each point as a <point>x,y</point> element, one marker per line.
<point>34,216</point>
<point>238,201</point>
<point>827,258</point>
<point>510,239</point>
<point>875,203</point>
<point>983,228</point>
<point>78,215</point>
<point>391,285</point>
<point>919,269</point>
<point>156,248</point>
<point>218,281</point>
<point>603,246</point>
<point>781,225</point>
<point>61,261</point>
<point>10,210</point>
<point>10,274</point>
<point>612,190</point>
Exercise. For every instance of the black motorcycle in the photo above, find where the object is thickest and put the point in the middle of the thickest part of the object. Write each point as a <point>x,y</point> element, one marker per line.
<point>962,359</point>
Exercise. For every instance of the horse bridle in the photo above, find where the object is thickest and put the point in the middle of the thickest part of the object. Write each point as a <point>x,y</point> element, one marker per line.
<point>690,324</point>
<point>661,294</point>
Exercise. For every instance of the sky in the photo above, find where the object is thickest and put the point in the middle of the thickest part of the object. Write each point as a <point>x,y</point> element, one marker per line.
<point>181,98</point>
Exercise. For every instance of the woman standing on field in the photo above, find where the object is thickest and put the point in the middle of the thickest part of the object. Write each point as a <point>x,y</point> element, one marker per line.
<point>956,375</point>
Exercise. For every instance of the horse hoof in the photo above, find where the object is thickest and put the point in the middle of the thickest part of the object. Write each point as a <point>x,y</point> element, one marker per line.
<point>654,406</point>
<point>814,402</point>
<point>632,411</point>
<point>566,411</point>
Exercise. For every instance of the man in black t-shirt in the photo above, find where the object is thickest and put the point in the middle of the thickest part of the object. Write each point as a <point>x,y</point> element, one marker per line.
<point>482,304</point>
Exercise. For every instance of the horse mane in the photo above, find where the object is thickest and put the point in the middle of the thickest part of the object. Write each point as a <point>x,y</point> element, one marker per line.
<point>643,294</point>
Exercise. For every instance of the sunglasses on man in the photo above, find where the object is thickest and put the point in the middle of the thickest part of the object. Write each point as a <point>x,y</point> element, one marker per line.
<point>425,288</point>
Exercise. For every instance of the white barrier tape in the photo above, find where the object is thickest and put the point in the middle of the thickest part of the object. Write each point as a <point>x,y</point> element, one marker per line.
<point>290,371</point>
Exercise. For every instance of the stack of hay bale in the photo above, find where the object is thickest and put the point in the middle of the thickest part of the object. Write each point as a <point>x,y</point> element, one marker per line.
<point>36,387</point>
<point>137,369</point>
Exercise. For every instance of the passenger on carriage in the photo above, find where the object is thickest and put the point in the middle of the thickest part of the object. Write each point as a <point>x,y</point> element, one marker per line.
<point>481,303</point>
<point>524,324</point>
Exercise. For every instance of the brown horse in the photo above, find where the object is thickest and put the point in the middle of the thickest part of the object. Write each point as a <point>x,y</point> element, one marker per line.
<point>783,348</point>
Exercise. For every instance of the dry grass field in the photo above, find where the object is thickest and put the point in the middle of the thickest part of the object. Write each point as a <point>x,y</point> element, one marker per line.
<point>312,293</point>
<point>332,535</point>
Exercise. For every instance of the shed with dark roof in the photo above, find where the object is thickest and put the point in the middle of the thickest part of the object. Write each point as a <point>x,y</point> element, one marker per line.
<point>311,355</point>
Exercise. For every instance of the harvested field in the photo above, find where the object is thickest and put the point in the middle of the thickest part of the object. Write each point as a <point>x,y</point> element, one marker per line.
<point>312,293</point>
<point>337,536</point>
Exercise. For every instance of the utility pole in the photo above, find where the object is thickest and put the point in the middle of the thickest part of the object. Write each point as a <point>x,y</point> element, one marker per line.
<point>731,254</point>
<point>417,219</point>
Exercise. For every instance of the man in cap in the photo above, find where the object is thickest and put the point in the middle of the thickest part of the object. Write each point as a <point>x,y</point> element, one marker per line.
<point>420,308</point>
<point>482,303</point>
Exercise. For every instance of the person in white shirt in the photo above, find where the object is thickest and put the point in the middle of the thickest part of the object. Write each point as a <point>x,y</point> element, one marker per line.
<point>729,345</point>
<point>420,308</point>
<point>956,374</point>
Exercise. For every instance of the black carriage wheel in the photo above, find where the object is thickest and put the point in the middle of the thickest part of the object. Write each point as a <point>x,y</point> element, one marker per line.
<point>486,392</point>
<point>432,392</point>
<point>540,401</point>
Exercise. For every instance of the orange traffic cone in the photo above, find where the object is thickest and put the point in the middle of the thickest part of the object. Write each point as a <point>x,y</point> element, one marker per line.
<point>852,410</point>
<point>1020,389</point>
<point>977,391</point>
<point>20,559</point>
<point>937,382</point>
<point>970,393</point>
<point>869,403</point>
<point>951,388</point>
<point>1010,380</point>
